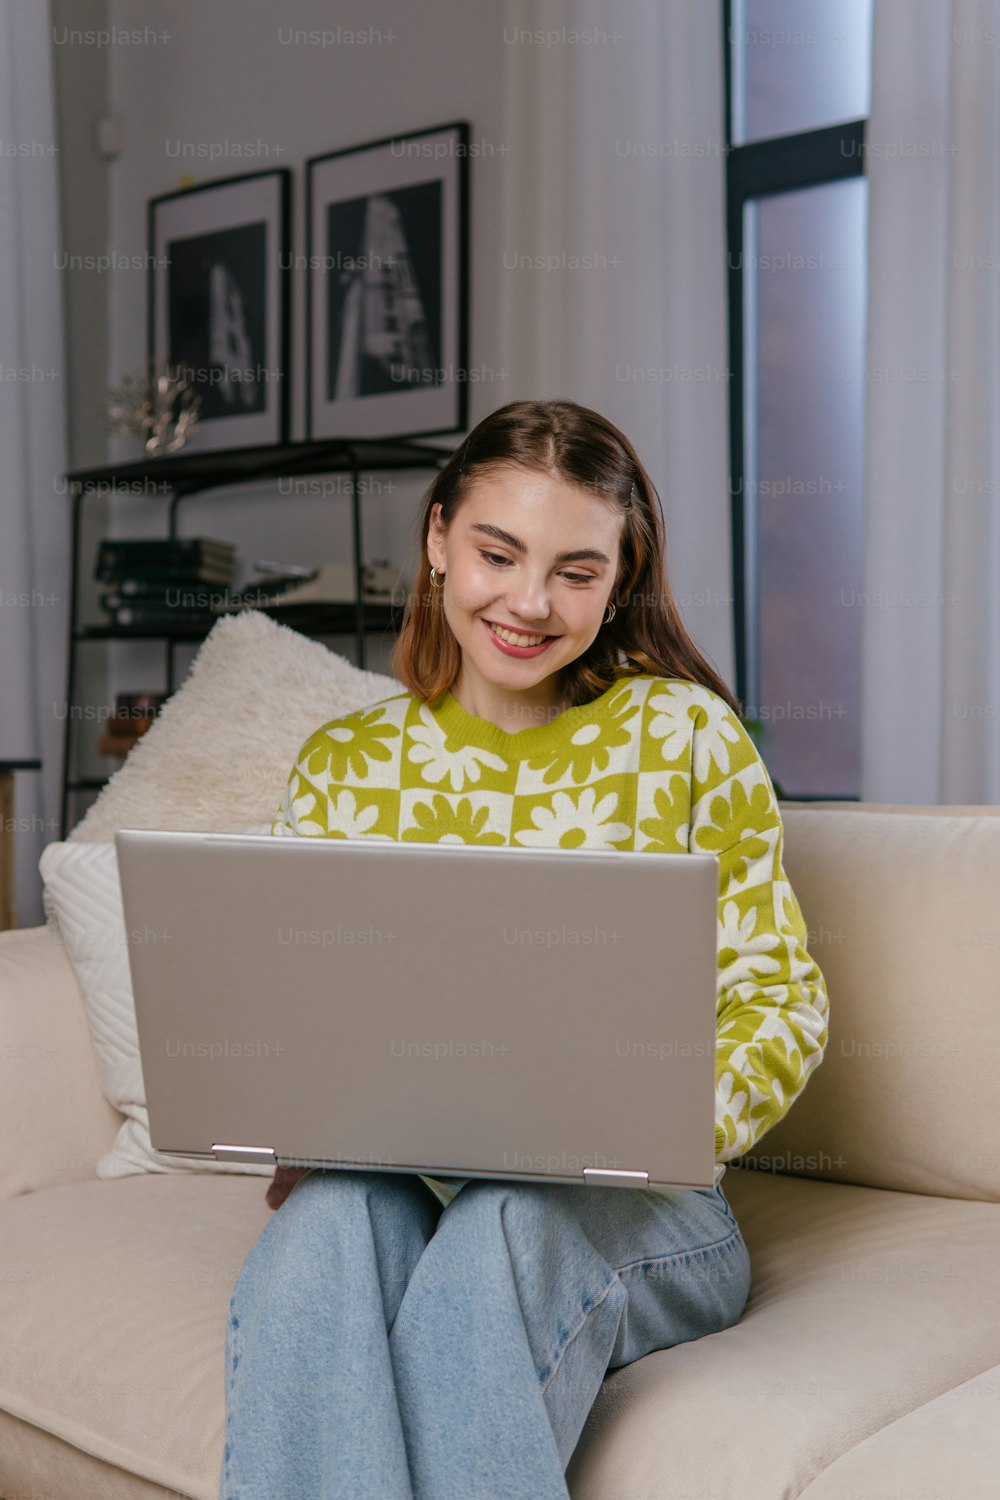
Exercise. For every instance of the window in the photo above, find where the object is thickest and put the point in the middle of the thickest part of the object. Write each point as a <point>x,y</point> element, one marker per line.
<point>797,92</point>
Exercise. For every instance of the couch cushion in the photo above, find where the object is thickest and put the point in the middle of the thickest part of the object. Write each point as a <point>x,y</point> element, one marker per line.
<point>114,1299</point>
<point>950,1447</point>
<point>936,809</point>
<point>55,1121</point>
<point>864,1304</point>
<point>113,1302</point>
<point>38,1466</point>
<point>903,917</point>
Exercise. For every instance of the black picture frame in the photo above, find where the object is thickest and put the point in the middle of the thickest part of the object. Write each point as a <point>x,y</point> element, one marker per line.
<point>223,248</point>
<point>387,244</point>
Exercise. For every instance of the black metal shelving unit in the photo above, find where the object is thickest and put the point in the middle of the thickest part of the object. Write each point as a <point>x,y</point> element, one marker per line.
<point>178,476</point>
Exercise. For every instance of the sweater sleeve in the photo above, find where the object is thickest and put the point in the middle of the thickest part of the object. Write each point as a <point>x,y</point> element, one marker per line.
<point>772,1002</point>
<point>339,775</point>
<point>302,809</point>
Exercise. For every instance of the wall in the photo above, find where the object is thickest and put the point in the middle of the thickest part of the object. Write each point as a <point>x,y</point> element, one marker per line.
<point>227,77</point>
<point>56,231</point>
<point>81,86</point>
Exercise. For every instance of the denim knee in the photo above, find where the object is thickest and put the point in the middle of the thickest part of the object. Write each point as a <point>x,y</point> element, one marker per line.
<point>324,1190</point>
<point>516,1203</point>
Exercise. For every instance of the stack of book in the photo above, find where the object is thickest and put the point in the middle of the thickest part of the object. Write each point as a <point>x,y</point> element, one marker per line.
<point>306,597</point>
<point>134,714</point>
<point>156,583</point>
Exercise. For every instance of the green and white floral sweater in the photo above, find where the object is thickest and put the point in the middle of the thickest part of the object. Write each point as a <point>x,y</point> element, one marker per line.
<point>654,763</point>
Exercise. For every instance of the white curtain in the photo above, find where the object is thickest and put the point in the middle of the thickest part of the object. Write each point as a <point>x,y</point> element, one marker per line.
<point>34,516</point>
<point>931,667</point>
<point>612,281</point>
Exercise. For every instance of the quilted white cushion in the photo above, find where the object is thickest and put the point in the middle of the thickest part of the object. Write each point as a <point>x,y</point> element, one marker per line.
<point>217,759</point>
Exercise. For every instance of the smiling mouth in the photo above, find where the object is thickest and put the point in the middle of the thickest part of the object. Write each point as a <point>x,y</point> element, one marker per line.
<point>517,637</point>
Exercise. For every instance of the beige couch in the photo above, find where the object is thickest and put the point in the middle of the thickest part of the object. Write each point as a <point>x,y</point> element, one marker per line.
<point>867,1363</point>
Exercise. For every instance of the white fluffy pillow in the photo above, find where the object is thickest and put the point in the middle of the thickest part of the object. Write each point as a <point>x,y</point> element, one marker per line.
<point>221,750</point>
<point>217,759</point>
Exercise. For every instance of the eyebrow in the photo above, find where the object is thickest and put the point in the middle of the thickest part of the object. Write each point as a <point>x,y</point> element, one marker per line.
<point>582,554</point>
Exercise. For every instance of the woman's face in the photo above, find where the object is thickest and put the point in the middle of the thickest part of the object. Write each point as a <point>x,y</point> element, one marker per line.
<point>535,556</point>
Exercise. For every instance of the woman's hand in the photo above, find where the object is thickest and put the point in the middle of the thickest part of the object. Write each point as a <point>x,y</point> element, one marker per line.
<point>281,1184</point>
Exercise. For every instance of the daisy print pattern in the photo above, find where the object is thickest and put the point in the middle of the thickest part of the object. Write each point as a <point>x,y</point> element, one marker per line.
<point>587,753</point>
<point>665,832</point>
<point>582,822</point>
<point>346,746</point>
<point>747,816</point>
<point>733,1101</point>
<point>438,822</point>
<point>460,764</point>
<point>718,732</point>
<point>349,820</point>
<point>295,815</point>
<point>743,951</point>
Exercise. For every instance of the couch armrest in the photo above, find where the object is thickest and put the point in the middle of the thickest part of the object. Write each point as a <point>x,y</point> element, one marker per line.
<point>54,1120</point>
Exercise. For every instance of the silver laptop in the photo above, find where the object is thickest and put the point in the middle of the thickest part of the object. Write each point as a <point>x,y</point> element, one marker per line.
<point>453,1010</point>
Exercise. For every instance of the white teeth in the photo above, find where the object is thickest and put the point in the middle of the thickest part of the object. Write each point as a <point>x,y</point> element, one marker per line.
<point>517,640</point>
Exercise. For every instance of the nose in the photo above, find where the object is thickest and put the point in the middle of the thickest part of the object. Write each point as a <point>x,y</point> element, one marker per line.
<point>527,598</point>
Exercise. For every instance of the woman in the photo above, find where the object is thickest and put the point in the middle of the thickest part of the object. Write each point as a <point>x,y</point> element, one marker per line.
<point>394,1337</point>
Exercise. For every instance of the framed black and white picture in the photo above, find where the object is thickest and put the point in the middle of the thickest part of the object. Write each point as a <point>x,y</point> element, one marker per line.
<point>387,287</point>
<point>219,297</point>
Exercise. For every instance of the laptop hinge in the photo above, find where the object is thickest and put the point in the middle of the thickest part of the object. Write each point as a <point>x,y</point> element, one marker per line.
<point>600,1177</point>
<point>264,1154</point>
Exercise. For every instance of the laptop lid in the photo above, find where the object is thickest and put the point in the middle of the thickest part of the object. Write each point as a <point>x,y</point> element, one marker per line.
<point>543,1014</point>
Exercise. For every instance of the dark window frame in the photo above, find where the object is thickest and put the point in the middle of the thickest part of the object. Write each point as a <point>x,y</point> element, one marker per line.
<point>776,164</point>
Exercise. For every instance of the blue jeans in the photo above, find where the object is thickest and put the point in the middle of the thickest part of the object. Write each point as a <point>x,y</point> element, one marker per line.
<point>380,1347</point>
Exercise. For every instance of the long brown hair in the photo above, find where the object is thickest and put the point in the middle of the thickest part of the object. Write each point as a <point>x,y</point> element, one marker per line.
<point>583,448</point>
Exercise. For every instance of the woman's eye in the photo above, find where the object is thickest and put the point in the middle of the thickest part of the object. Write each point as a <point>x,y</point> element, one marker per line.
<point>497,560</point>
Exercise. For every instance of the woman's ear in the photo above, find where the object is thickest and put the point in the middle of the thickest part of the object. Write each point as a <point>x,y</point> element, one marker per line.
<point>435,537</point>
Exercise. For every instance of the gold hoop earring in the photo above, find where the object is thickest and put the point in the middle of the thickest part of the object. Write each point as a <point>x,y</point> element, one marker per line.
<point>608,617</point>
<point>434,582</point>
